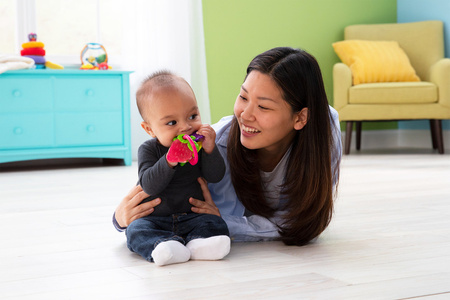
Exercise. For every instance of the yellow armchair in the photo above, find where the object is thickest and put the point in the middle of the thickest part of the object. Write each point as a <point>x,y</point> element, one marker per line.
<point>429,98</point>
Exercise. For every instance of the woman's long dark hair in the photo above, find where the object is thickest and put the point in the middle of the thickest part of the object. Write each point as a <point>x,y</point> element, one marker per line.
<point>308,185</point>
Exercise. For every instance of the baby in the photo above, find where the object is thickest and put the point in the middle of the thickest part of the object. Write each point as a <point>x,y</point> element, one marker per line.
<point>173,233</point>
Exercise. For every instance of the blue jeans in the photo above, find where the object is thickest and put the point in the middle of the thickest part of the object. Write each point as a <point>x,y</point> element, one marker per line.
<point>144,234</point>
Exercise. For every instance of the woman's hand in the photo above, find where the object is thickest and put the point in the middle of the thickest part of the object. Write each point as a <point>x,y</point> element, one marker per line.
<point>204,207</point>
<point>130,208</point>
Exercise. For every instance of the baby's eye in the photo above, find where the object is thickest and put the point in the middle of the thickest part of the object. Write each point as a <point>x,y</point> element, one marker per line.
<point>193,117</point>
<point>171,123</point>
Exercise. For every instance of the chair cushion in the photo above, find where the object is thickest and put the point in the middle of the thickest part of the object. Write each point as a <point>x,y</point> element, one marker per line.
<point>375,61</point>
<point>394,93</point>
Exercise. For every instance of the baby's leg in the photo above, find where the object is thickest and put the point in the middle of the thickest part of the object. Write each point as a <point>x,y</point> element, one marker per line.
<point>144,233</point>
<point>208,238</point>
<point>212,248</point>
<point>152,238</point>
<point>170,252</point>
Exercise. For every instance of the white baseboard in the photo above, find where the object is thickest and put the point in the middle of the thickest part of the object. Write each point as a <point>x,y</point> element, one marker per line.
<point>397,139</point>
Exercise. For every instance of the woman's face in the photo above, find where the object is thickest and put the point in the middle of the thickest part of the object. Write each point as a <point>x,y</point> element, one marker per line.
<point>266,120</point>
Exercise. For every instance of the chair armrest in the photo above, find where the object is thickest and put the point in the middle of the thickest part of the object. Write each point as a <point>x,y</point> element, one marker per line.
<point>342,81</point>
<point>440,75</point>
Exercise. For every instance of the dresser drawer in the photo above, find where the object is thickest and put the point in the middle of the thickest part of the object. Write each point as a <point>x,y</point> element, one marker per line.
<point>27,94</point>
<point>26,130</point>
<point>88,93</point>
<point>46,114</point>
<point>88,129</point>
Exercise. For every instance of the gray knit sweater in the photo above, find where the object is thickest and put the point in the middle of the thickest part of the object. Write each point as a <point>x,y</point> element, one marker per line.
<point>175,185</point>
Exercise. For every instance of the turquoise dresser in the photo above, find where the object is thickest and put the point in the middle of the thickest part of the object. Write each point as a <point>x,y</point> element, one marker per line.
<point>64,114</point>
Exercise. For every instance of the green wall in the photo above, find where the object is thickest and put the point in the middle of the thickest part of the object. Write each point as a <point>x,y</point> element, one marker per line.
<point>238,30</point>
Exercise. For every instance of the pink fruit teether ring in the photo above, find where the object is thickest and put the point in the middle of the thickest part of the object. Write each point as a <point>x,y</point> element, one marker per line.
<point>185,148</point>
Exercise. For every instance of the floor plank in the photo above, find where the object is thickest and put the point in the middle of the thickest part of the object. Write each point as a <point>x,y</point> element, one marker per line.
<point>389,239</point>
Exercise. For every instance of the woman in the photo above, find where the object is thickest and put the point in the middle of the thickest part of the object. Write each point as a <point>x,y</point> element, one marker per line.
<point>282,148</point>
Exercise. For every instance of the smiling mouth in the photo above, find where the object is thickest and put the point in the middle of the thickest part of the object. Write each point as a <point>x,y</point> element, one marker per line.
<point>249,130</point>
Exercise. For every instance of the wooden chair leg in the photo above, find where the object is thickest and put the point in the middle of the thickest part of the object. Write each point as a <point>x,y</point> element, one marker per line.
<point>439,140</point>
<point>348,136</point>
<point>358,135</point>
<point>433,135</point>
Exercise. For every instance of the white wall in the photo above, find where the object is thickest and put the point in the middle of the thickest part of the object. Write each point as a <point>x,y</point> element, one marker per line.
<point>164,35</point>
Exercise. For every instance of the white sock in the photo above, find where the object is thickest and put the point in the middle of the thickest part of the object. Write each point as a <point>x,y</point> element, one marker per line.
<point>170,252</point>
<point>212,248</point>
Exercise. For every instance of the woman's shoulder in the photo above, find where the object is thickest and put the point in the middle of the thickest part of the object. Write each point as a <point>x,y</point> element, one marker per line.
<point>334,114</point>
<point>222,129</point>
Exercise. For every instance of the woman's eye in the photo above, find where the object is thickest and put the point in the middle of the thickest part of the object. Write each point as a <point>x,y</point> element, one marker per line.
<point>242,97</point>
<point>171,123</point>
<point>263,108</point>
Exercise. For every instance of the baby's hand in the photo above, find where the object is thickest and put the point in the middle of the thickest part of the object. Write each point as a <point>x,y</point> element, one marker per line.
<point>210,137</point>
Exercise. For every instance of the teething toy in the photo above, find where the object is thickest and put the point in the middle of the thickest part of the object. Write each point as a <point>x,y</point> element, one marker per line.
<point>185,148</point>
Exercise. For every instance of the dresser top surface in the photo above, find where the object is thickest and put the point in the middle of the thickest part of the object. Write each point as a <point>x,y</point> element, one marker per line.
<point>66,71</point>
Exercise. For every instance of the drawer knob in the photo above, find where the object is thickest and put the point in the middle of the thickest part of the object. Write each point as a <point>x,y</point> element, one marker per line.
<point>90,92</point>
<point>17,93</point>
<point>18,130</point>
<point>90,128</point>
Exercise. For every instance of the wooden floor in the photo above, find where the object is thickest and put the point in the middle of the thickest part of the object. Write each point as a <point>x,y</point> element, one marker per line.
<point>389,239</point>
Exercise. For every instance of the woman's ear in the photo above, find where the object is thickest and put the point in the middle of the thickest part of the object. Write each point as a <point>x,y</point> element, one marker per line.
<point>148,129</point>
<point>301,119</point>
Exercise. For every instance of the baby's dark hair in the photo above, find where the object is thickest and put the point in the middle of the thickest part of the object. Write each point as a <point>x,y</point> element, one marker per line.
<point>159,78</point>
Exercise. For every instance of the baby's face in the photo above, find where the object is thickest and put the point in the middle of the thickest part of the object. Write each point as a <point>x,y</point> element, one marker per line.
<point>173,111</point>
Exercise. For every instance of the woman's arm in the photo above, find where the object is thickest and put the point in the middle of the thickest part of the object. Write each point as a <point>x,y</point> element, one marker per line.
<point>253,228</point>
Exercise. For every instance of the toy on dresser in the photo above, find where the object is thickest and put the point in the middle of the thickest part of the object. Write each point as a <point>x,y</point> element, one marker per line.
<point>35,50</point>
<point>94,57</point>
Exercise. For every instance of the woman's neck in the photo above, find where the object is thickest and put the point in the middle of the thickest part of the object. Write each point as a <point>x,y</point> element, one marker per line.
<point>269,159</point>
